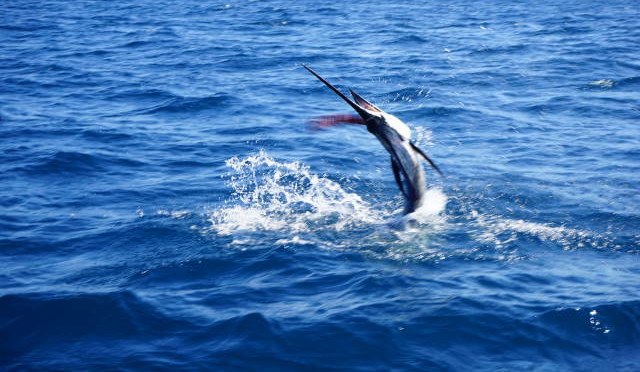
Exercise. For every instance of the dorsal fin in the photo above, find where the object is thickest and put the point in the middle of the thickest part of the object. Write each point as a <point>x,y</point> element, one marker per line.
<point>431,163</point>
<point>363,102</point>
<point>396,174</point>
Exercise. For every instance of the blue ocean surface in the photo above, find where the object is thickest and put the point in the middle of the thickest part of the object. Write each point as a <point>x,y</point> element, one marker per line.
<point>165,205</point>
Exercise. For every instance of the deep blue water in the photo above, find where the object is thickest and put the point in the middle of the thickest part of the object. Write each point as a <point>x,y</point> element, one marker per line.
<point>165,206</point>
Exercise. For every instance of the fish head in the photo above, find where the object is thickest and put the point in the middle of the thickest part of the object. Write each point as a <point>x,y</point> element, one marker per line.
<point>378,119</point>
<point>367,111</point>
<point>375,119</point>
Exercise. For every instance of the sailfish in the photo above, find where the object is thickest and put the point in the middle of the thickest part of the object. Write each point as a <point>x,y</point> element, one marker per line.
<point>395,136</point>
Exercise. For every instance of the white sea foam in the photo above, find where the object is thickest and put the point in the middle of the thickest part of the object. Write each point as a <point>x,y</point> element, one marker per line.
<point>436,202</point>
<point>500,231</point>
<point>269,195</point>
<point>431,214</point>
<point>603,83</point>
<point>422,136</point>
<point>173,214</point>
<point>294,206</point>
<point>286,196</point>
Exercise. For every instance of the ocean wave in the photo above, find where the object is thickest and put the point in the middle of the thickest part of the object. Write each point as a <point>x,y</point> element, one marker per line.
<point>79,163</point>
<point>188,104</point>
<point>610,324</point>
<point>412,40</point>
<point>279,336</point>
<point>436,111</point>
<point>127,316</point>
<point>501,49</point>
<point>38,324</point>
<point>119,94</point>
<point>31,25</point>
<point>628,82</point>
<point>106,135</point>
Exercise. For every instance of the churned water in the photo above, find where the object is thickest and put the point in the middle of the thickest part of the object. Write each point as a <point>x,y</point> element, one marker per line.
<point>164,204</point>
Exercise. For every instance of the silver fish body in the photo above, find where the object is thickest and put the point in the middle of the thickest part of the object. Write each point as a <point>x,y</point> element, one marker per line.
<point>395,137</point>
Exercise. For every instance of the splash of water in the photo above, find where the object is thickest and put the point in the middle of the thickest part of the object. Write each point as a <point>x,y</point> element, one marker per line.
<point>423,137</point>
<point>280,196</point>
<point>294,206</point>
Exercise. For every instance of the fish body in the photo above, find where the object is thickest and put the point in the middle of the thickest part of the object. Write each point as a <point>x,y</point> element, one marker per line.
<point>395,137</point>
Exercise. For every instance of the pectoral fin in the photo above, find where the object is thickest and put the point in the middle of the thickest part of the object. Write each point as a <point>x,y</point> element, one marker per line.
<point>332,120</point>
<point>431,163</point>
<point>396,175</point>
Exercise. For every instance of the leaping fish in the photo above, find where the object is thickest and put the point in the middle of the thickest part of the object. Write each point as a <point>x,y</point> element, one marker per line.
<point>395,136</point>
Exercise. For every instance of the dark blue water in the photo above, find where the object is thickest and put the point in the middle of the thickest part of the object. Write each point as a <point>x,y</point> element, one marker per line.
<point>165,206</point>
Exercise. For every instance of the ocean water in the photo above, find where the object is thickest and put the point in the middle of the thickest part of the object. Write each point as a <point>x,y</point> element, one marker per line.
<point>165,205</point>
